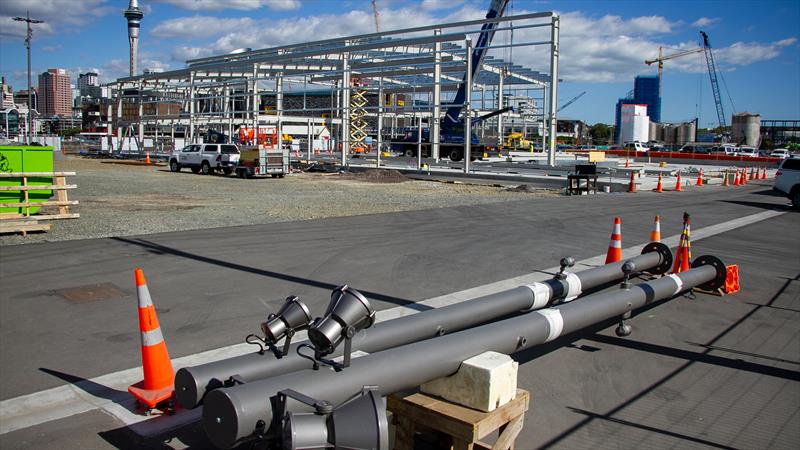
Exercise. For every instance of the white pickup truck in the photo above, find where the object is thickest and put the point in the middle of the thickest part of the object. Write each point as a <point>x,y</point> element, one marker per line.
<point>205,158</point>
<point>787,180</point>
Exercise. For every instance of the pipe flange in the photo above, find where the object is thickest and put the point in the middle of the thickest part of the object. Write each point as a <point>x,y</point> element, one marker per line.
<point>666,257</point>
<point>719,281</point>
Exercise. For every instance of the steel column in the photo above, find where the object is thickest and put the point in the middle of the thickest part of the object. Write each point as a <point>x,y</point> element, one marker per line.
<point>554,35</point>
<point>435,123</point>
<point>468,107</point>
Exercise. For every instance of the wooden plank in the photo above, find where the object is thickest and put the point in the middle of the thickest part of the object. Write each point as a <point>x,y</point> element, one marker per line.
<point>47,203</point>
<point>55,216</point>
<point>44,187</point>
<point>9,223</point>
<point>5,216</point>
<point>61,195</point>
<point>35,174</point>
<point>24,229</point>
<point>509,433</point>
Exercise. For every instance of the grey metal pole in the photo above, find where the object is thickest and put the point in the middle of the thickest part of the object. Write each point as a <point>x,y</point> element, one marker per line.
<point>191,108</point>
<point>232,415</point>
<point>435,130</point>
<point>380,120</point>
<point>500,101</point>
<point>468,107</point>
<point>192,383</point>
<point>551,154</point>
<point>345,107</point>
<point>419,142</point>
<point>310,138</point>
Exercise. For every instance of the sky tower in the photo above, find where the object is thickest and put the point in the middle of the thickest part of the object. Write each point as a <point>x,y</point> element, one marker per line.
<point>134,16</point>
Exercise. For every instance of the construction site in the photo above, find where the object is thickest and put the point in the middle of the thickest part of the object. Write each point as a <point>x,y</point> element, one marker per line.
<point>380,241</point>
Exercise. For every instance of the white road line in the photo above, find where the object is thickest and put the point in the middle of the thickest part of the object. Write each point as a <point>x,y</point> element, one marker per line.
<point>109,392</point>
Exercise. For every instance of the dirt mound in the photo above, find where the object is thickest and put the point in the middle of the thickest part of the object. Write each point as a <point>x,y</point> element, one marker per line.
<point>376,176</point>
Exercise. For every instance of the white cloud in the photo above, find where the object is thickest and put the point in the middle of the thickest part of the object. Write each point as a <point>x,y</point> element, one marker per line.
<point>438,5</point>
<point>786,42</point>
<point>188,27</point>
<point>57,14</point>
<point>243,5</point>
<point>51,48</point>
<point>744,53</point>
<point>705,21</point>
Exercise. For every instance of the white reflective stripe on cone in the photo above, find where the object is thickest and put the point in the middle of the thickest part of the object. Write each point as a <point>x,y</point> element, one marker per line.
<point>152,337</point>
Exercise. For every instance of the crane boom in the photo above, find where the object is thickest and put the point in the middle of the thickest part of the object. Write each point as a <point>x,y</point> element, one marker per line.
<point>496,9</point>
<point>574,99</point>
<point>375,14</point>
<point>712,73</point>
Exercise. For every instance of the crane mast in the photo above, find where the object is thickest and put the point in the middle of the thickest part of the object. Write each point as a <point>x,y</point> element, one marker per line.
<point>496,9</point>
<point>712,73</point>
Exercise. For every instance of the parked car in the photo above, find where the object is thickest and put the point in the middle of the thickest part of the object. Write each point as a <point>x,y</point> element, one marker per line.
<point>749,152</point>
<point>780,153</point>
<point>615,147</point>
<point>637,147</point>
<point>787,180</point>
<point>723,150</point>
<point>205,158</point>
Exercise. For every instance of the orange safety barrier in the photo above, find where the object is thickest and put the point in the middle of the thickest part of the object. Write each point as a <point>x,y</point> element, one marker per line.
<point>732,279</point>
<point>614,253</point>
<point>159,377</point>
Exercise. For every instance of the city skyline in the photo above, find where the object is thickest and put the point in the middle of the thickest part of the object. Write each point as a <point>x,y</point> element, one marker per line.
<point>603,44</point>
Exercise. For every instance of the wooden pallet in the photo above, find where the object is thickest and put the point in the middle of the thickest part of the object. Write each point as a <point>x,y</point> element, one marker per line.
<point>461,428</point>
<point>10,223</point>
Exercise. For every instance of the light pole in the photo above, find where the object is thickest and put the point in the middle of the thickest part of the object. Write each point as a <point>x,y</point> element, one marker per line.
<point>27,19</point>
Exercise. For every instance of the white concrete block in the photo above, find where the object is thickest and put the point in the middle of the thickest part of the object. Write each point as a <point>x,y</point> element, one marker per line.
<point>484,382</point>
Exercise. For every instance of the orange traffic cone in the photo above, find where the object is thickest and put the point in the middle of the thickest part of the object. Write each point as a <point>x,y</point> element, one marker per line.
<point>159,377</point>
<point>725,179</point>
<point>753,174</point>
<point>684,254</point>
<point>736,181</point>
<point>615,246</point>
<point>632,184</point>
<point>678,187</point>
<point>700,178</point>
<point>659,187</point>
<point>764,173</point>
<point>147,158</point>
<point>655,235</point>
<point>627,163</point>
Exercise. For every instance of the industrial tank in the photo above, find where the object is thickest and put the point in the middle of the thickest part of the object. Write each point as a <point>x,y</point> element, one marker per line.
<point>685,133</point>
<point>746,128</point>
<point>669,134</point>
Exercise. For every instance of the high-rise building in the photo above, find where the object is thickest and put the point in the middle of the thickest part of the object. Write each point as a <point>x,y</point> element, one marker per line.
<point>646,91</point>
<point>87,80</point>
<point>21,98</point>
<point>634,124</point>
<point>54,87</point>
<point>7,94</point>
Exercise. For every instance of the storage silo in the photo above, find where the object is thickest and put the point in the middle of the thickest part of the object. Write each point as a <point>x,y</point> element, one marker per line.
<point>685,133</point>
<point>653,131</point>
<point>746,128</point>
<point>669,134</point>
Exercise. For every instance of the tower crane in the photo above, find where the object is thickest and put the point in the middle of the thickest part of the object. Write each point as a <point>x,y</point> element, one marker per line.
<point>712,71</point>
<point>573,100</point>
<point>375,14</point>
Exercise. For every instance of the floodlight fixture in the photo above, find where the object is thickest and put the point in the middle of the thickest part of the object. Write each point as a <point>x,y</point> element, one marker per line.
<point>348,312</point>
<point>358,423</point>
<point>292,317</point>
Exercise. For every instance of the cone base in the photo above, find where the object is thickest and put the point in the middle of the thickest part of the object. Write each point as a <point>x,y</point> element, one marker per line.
<point>151,397</point>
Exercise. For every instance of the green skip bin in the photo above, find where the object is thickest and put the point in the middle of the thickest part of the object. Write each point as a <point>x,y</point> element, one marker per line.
<point>14,159</point>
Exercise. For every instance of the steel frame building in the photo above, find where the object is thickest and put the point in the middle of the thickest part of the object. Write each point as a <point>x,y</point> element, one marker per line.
<point>421,63</point>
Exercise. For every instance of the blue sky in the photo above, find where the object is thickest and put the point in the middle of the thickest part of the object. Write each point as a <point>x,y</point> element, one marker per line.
<point>604,43</point>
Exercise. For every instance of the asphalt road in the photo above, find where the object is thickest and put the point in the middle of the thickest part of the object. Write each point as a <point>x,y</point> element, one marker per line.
<point>709,372</point>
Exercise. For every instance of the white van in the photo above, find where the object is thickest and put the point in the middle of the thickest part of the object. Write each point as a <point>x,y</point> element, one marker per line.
<point>636,146</point>
<point>724,150</point>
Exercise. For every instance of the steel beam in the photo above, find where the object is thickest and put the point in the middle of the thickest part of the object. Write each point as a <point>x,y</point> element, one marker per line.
<point>192,383</point>
<point>242,412</point>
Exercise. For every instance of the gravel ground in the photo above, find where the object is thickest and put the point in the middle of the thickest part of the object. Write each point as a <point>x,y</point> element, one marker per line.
<point>122,200</point>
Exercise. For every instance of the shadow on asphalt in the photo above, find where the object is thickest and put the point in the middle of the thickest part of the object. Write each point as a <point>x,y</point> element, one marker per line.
<point>589,332</point>
<point>647,428</point>
<point>96,389</point>
<point>163,249</point>
<point>770,206</point>
<point>191,436</point>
